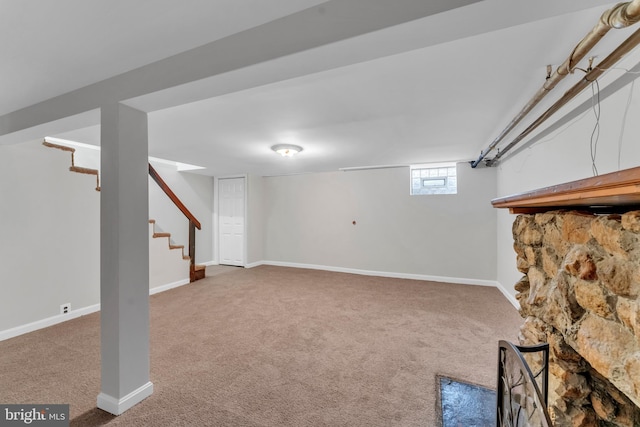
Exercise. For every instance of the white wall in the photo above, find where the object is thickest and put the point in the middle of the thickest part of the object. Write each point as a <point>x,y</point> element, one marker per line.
<point>50,236</point>
<point>308,220</point>
<point>565,156</point>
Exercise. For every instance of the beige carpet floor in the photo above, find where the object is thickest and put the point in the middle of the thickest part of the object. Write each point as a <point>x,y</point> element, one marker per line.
<point>274,346</point>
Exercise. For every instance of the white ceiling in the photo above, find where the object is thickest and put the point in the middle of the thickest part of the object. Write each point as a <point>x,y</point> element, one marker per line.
<point>438,88</point>
<point>53,47</point>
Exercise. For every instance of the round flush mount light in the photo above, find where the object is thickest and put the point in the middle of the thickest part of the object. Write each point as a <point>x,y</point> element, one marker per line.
<point>287,150</point>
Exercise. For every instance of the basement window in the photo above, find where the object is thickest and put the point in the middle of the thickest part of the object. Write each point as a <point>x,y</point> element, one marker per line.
<point>434,178</point>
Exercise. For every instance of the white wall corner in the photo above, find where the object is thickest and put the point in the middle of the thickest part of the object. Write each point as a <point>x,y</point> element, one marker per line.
<point>118,406</point>
<point>256,264</point>
<point>512,299</point>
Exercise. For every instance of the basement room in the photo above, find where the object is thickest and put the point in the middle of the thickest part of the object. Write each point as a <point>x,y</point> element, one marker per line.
<point>320,213</point>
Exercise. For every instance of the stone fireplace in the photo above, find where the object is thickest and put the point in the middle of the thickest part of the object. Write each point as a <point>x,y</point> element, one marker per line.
<point>580,292</point>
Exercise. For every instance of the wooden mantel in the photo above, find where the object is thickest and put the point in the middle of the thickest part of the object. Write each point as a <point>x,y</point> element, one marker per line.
<point>609,192</point>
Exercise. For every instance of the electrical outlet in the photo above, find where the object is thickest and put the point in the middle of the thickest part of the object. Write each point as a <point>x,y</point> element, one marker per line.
<point>65,308</point>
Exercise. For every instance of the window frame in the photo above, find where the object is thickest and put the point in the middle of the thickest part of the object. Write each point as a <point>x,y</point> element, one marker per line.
<point>449,189</point>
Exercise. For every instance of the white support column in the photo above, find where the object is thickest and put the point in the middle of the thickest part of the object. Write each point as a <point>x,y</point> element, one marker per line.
<point>124,259</point>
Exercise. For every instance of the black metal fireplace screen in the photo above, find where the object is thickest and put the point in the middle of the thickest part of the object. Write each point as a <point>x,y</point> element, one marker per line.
<point>522,395</point>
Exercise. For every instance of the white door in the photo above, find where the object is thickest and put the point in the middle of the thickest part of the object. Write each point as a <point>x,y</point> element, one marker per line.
<point>231,221</point>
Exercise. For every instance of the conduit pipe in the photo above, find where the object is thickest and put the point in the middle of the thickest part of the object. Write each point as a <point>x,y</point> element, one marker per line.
<point>620,16</point>
<point>589,78</point>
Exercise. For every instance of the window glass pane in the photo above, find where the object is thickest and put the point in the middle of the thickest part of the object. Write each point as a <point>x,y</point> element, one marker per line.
<point>436,179</point>
<point>434,182</point>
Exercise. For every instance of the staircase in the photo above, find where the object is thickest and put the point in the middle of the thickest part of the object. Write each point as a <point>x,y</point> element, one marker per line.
<point>157,235</point>
<point>199,270</point>
<point>196,272</point>
<point>73,167</point>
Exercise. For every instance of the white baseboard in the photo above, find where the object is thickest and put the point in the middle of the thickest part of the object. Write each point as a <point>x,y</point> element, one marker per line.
<point>208,263</point>
<point>118,406</point>
<point>254,264</point>
<point>444,279</point>
<point>163,288</point>
<point>54,320</point>
<point>49,321</point>
<point>508,296</point>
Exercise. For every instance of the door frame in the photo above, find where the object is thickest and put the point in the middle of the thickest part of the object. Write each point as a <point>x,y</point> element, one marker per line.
<point>216,206</point>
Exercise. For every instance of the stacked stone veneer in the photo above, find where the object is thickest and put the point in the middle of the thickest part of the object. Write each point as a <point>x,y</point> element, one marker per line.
<point>580,293</point>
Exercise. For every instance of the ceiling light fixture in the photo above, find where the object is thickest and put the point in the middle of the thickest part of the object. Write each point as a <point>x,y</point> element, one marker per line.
<point>287,150</point>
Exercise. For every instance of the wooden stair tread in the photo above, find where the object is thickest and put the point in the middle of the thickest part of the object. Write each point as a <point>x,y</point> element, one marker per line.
<point>176,246</point>
<point>74,168</point>
<point>59,147</point>
<point>80,169</point>
<point>186,257</point>
<point>152,221</point>
<point>156,235</point>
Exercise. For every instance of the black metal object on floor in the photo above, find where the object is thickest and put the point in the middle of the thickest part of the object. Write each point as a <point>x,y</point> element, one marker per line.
<point>466,405</point>
<point>522,394</point>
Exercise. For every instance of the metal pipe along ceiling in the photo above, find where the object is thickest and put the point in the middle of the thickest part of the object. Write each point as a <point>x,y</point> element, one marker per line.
<point>620,16</point>
<point>589,78</point>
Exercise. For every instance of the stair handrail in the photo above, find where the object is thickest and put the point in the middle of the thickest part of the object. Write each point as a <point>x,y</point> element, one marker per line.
<point>193,222</point>
<point>176,201</point>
